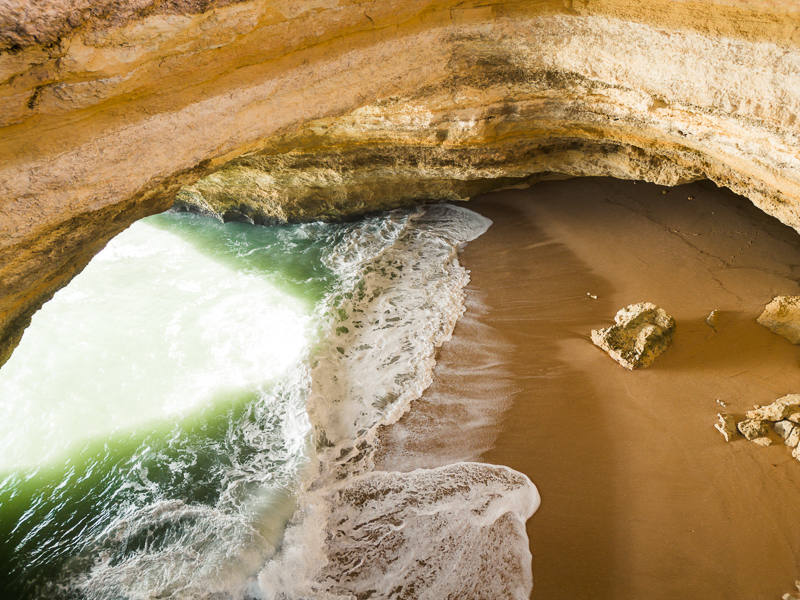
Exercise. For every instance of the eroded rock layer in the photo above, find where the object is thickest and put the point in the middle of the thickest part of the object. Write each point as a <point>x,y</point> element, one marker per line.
<point>272,111</point>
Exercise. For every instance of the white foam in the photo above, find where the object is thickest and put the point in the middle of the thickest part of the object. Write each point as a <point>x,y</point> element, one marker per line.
<point>172,549</point>
<point>401,295</point>
<point>452,532</point>
<point>458,417</point>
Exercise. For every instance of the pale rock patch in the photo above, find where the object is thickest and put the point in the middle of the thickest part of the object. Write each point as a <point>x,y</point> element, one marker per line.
<point>793,439</point>
<point>778,410</point>
<point>752,428</point>
<point>784,428</point>
<point>642,332</point>
<point>782,316</point>
<point>726,426</point>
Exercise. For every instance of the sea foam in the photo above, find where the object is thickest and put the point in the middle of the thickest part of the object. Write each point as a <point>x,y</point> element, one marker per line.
<point>196,508</point>
<point>453,531</point>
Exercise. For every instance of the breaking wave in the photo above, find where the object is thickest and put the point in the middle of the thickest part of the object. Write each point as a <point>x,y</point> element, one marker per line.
<point>196,505</point>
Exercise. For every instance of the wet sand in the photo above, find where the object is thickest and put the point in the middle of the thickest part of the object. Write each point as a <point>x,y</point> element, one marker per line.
<point>641,497</point>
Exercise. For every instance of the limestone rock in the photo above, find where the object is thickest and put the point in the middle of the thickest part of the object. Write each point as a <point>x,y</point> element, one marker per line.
<point>782,316</point>
<point>642,332</point>
<point>793,439</point>
<point>312,110</point>
<point>752,428</point>
<point>726,426</point>
<point>778,410</point>
<point>784,428</point>
<point>762,441</point>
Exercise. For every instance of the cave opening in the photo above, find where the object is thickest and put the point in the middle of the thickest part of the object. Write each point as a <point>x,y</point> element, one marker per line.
<point>634,480</point>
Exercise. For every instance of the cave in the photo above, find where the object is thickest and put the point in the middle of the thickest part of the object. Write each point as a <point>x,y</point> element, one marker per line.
<point>271,113</point>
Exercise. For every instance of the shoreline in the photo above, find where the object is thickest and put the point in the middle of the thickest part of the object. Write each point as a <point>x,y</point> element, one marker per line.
<point>641,497</point>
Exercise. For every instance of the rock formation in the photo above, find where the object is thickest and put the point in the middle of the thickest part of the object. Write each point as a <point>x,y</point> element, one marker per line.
<point>726,426</point>
<point>786,407</point>
<point>782,316</point>
<point>795,596</point>
<point>789,431</point>
<point>642,332</point>
<point>272,110</point>
<point>752,429</point>
<point>712,320</point>
<point>783,414</point>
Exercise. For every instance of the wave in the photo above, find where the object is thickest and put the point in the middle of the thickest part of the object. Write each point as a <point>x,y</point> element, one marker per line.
<point>198,508</point>
<point>453,531</point>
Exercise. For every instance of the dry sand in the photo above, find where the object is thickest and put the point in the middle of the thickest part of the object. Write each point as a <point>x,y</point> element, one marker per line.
<point>641,497</point>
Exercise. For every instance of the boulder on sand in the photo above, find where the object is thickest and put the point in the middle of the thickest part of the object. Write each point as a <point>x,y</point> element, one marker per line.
<point>642,332</point>
<point>778,410</point>
<point>726,426</point>
<point>752,428</point>
<point>782,316</point>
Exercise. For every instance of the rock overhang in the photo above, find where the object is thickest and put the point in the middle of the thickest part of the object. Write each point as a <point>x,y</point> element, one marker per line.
<point>324,109</point>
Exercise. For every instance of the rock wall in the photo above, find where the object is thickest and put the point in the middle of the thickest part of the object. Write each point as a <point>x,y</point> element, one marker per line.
<point>288,110</point>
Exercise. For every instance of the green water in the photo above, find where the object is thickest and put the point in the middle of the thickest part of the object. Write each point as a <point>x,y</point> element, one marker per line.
<point>157,381</point>
<point>168,411</point>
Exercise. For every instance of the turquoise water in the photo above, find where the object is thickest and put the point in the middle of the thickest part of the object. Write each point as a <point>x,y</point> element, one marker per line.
<point>194,418</point>
<point>159,375</point>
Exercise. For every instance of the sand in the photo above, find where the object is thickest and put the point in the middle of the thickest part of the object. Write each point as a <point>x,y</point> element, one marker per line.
<point>641,496</point>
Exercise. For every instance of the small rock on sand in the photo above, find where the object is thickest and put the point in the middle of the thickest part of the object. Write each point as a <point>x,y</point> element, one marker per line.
<point>752,428</point>
<point>726,426</point>
<point>778,410</point>
<point>784,428</point>
<point>642,332</point>
<point>793,439</point>
<point>782,316</point>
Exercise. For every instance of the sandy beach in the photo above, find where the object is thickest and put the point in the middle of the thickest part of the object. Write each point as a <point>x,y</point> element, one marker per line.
<point>641,496</point>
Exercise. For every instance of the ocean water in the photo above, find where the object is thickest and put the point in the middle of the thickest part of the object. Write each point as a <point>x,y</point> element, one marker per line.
<point>194,416</point>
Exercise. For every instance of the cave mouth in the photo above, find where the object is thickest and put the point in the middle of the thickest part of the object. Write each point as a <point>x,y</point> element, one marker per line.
<point>215,368</point>
<point>140,448</point>
<point>635,482</point>
<point>263,113</point>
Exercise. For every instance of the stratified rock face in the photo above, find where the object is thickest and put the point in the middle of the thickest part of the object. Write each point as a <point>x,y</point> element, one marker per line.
<point>782,316</point>
<point>642,332</point>
<point>268,110</point>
